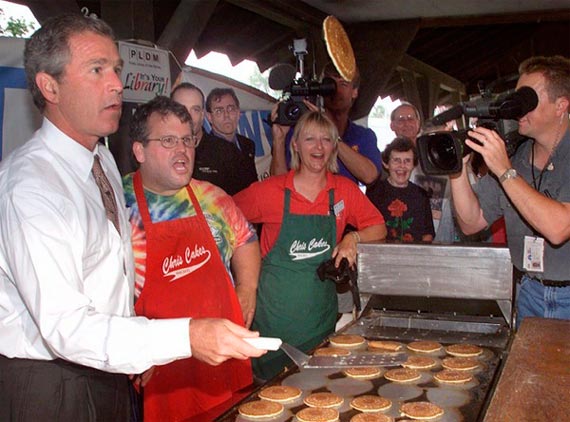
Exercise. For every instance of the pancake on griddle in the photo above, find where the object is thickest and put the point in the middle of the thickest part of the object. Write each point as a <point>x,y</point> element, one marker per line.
<point>422,410</point>
<point>449,376</point>
<point>331,351</point>
<point>384,346</point>
<point>370,403</point>
<point>460,364</point>
<point>280,393</point>
<point>371,417</point>
<point>323,399</point>
<point>347,341</point>
<point>464,350</point>
<point>424,346</point>
<point>402,375</point>
<point>364,372</point>
<point>419,362</point>
<point>260,409</point>
<point>317,414</point>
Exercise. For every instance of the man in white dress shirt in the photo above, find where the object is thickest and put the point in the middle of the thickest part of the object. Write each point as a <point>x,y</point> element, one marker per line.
<point>67,329</point>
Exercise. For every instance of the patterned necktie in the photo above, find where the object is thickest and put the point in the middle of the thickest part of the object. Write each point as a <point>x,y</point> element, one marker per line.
<point>107,194</point>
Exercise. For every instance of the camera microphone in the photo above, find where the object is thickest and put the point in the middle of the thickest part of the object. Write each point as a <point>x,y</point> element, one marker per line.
<point>512,106</point>
<point>453,113</point>
<point>281,76</point>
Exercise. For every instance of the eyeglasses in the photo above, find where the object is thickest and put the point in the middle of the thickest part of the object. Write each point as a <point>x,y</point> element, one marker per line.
<point>171,141</point>
<point>398,160</point>
<point>406,118</point>
<point>220,111</point>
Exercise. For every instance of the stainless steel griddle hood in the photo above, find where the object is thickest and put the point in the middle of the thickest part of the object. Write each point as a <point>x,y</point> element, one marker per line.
<point>473,274</point>
<point>450,294</point>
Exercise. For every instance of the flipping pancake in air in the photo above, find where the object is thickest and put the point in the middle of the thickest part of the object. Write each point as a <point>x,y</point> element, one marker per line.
<point>339,48</point>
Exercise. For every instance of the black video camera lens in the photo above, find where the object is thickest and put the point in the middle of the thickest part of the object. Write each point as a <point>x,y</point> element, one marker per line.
<point>442,152</point>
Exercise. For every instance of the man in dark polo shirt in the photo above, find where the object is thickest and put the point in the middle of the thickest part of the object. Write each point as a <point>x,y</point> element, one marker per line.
<point>223,157</point>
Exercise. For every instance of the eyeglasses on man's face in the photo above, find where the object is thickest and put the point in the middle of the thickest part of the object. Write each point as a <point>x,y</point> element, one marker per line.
<point>171,141</point>
<point>220,111</point>
<point>405,118</point>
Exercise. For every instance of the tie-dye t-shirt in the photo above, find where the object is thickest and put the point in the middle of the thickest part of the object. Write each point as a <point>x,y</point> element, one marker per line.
<point>227,223</point>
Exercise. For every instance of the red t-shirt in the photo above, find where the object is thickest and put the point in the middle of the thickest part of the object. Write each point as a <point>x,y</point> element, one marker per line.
<point>263,202</point>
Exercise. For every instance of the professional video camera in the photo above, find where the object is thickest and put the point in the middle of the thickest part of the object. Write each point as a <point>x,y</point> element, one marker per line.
<point>443,152</point>
<point>295,90</point>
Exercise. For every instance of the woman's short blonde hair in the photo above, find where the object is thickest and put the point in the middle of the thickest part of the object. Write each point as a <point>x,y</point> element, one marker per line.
<point>320,120</point>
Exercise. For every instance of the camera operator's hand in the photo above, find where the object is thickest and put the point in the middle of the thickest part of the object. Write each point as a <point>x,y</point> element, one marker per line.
<point>311,106</point>
<point>279,133</point>
<point>492,147</point>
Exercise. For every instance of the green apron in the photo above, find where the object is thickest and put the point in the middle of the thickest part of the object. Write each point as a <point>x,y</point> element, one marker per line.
<point>292,303</point>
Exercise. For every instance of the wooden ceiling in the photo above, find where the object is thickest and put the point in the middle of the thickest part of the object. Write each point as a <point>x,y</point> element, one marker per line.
<point>423,60</point>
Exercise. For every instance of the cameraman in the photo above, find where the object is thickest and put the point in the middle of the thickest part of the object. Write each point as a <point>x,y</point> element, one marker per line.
<point>358,156</point>
<point>532,191</point>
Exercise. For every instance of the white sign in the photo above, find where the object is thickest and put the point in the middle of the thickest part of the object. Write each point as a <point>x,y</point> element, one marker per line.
<point>146,72</point>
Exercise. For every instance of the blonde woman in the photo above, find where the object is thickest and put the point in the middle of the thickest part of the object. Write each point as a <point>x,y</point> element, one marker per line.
<point>304,214</point>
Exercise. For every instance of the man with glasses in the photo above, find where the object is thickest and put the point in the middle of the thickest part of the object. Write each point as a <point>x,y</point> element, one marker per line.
<point>195,256</point>
<point>237,164</point>
<point>215,157</point>
<point>405,121</point>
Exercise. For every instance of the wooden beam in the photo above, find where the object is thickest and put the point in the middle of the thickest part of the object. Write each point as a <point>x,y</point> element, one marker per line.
<point>130,19</point>
<point>534,16</point>
<point>43,9</point>
<point>185,26</point>
<point>378,48</point>
<point>447,82</point>
<point>291,13</point>
<point>412,90</point>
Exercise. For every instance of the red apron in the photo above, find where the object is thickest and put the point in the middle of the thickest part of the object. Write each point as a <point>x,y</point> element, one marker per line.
<point>186,277</point>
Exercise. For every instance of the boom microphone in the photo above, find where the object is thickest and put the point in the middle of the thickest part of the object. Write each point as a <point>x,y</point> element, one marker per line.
<point>281,76</point>
<point>453,113</point>
<point>512,106</point>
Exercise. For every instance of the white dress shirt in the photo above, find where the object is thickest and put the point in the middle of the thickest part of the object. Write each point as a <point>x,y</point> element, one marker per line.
<point>66,275</point>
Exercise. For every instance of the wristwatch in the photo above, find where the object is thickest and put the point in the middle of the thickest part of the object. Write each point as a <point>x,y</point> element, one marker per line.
<point>508,174</point>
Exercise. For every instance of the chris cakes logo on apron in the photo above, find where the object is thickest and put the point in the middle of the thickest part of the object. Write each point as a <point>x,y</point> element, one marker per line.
<point>177,266</point>
<point>300,250</point>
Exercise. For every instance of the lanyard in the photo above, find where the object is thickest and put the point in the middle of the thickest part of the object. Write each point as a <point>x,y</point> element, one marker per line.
<point>532,170</point>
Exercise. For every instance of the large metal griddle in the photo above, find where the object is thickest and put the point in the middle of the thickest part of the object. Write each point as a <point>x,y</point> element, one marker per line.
<point>449,294</point>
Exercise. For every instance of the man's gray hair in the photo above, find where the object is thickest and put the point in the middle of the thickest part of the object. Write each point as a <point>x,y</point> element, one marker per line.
<point>48,48</point>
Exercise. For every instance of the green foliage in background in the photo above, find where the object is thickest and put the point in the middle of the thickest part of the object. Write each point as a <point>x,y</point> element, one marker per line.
<point>14,27</point>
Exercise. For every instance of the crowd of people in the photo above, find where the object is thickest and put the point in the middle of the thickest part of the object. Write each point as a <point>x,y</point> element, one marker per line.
<point>154,282</point>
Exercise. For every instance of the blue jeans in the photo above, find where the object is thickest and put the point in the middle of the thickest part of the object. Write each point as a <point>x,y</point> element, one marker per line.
<point>534,299</point>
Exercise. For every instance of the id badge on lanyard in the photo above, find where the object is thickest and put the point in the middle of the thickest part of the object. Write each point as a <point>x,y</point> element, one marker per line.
<point>533,254</point>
